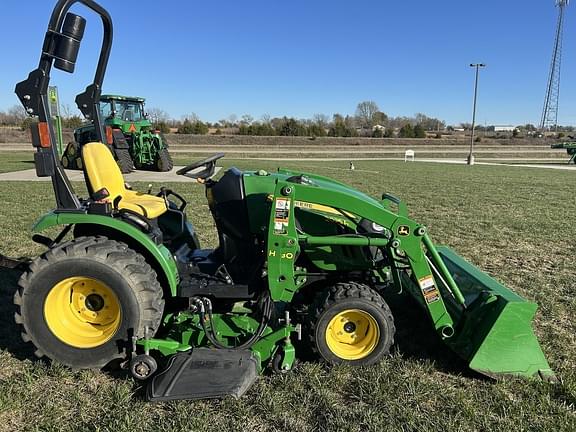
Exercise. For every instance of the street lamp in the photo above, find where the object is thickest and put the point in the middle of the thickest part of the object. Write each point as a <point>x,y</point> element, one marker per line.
<point>471,154</point>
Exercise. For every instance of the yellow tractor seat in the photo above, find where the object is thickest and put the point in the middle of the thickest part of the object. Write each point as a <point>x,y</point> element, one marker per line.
<point>103,172</point>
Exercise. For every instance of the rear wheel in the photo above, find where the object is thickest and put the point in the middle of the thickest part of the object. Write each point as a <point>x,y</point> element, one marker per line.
<point>164,162</point>
<point>351,323</point>
<point>81,303</point>
<point>71,156</point>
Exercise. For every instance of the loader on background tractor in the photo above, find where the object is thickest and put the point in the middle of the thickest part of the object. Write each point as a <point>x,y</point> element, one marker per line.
<point>300,256</point>
<point>132,139</point>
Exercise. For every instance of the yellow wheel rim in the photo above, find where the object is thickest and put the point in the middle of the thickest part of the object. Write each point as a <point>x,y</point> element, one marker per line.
<point>82,312</point>
<point>352,334</point>
<point>65,162</point>
<point>79,163</point>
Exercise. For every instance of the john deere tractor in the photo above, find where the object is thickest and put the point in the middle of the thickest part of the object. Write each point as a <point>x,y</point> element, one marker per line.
<point>132,139</point>
<point>300,257</point>
<point>569,146</point>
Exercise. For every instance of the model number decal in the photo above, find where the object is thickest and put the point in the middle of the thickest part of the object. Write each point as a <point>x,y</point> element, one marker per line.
<point>285,255</point>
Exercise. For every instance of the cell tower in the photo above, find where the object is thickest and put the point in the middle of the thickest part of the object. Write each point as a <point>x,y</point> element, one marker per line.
<point>550,111</point>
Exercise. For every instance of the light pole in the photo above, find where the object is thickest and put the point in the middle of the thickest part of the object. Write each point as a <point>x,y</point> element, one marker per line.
<point>471,154</point>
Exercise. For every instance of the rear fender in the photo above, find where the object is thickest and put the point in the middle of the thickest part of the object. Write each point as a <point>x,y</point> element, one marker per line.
<point>158,256</point>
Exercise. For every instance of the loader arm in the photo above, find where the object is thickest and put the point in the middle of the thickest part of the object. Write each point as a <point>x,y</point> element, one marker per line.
<point>484,322</point>
<point>407,238</point>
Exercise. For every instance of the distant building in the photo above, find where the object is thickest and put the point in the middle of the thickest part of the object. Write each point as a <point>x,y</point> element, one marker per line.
<point>504,128</point>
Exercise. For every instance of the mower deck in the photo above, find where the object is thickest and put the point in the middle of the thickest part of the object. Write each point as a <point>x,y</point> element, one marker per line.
<point>204,373</point>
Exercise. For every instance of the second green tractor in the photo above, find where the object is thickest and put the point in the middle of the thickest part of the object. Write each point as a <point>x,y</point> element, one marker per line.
<point>131,136</point>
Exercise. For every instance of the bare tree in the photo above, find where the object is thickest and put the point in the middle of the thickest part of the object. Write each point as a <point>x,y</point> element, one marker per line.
<point>192,117</point>
<point>365,113</point>
<point>247,119</point>
<point>158,114</point>
<point>265,118</point>
<point>16,114</point>
<point>322,120</point>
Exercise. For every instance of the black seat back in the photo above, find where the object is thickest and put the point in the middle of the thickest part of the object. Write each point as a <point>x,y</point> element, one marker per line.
<point>227,201</point>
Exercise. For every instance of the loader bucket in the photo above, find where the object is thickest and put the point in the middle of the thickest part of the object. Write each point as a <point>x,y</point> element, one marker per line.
<point>494,332</point>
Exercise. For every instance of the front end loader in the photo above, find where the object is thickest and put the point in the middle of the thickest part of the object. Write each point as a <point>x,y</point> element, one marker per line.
<point>300,257</point>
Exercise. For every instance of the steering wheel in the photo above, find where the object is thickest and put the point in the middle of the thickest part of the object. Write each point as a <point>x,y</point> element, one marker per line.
<point>209,165</point>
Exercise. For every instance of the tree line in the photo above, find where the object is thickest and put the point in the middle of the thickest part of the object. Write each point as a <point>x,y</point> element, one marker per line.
<point>367,121</point>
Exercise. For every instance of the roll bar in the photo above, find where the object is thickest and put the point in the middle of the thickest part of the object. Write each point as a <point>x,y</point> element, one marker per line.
<point>60,49</point>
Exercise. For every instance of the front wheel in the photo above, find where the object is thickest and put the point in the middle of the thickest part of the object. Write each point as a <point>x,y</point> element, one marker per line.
<point>81,303</point>
<point>351,323</point>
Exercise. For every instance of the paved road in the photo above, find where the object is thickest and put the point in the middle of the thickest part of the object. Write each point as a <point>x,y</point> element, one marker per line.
<point>135,176</point>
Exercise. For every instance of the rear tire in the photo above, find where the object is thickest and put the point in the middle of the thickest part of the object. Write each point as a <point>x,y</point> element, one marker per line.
<point>81,302</point>
<point>351,323</point>
<point>124,160</point>
<point>164,162</point>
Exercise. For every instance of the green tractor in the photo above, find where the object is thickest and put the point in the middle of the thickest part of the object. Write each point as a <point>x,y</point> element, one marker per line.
<point>569,146</point>
<point>133,140</point>
<point>303,261</point>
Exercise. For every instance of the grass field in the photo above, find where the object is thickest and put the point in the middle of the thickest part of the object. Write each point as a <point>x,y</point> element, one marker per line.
<point>514,223</point>
<point>16,161</point>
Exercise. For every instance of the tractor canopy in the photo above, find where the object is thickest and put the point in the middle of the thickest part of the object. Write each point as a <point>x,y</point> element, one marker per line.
<point>124,112</point>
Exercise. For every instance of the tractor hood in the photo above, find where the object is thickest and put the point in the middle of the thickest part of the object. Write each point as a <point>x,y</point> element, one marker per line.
<point>327,185</point>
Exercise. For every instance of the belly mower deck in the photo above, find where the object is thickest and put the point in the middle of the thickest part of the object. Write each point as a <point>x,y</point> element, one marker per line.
<point>204,373</point>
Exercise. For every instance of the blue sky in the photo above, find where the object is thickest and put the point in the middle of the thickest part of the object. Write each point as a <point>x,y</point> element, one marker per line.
<point>300,57</point>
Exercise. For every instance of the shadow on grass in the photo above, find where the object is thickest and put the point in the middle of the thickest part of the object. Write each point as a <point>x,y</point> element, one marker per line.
<point>416,338</point>
<point>10,339</point>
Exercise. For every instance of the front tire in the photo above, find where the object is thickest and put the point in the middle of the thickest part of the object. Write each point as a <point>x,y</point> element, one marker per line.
<point>81,302</point>
<point>351,323</point>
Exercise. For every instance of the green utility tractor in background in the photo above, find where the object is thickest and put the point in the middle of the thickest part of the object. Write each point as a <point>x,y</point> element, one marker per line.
<point>130,134</point>
<point>569,146</point>
<point>300,257</point>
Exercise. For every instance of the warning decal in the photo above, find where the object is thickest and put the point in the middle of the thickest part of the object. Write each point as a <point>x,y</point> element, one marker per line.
<point>431,293</point>
<point>281,215</point>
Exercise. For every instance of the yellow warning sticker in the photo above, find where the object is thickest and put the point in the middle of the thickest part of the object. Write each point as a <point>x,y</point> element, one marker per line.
<point>429,290</point>
<point>281,216</point>
<point>426,282</point>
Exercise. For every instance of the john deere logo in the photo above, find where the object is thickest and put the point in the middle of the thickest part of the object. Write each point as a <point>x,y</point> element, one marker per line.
<point>403,230</point>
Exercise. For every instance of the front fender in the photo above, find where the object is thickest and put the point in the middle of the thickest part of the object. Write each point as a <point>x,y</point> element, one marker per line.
<point>159,253</point>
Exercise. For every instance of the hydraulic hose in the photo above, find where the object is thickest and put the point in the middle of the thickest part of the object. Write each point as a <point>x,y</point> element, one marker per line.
<point>207,306</point>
